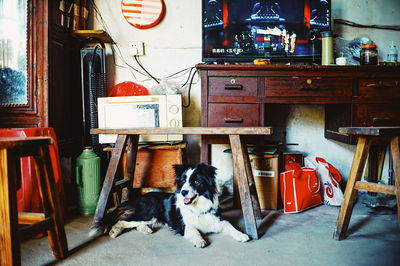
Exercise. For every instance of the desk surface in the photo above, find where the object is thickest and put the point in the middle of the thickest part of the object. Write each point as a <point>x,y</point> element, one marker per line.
<point>187,131</point>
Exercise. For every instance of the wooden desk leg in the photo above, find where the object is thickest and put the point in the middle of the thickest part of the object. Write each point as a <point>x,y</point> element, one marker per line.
<point>205,150</point>
<point>241,162</point>
<point>9,245</point>
<point>394,145</point>
<point>357,167</point>
<point>131,154</point>
<point>115,160</point>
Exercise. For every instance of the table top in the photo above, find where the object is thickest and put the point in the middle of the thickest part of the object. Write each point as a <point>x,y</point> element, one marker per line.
<point>186,131</point>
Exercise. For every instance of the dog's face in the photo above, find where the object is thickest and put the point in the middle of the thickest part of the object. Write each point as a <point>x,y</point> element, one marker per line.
<point>195,186</point>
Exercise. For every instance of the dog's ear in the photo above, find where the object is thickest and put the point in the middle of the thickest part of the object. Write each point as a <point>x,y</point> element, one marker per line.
<point>180,169</point>
<point>206,170</point>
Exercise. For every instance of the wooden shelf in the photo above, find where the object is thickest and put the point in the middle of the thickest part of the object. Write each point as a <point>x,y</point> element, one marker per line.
<point>100,34</point>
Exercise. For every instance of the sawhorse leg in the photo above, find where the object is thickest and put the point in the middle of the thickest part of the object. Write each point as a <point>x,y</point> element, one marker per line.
<point>357,167</point>
<point>394,145</point>
<point>247,190</point>
<point>115,161</point>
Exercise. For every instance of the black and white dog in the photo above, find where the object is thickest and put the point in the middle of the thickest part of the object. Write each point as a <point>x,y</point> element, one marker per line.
<point>190,211</point>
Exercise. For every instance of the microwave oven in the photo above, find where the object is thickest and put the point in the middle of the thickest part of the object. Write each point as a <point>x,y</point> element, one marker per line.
<point>140,111</point>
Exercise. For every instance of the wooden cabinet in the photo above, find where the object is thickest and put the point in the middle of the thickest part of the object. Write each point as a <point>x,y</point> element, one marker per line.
<point>239,95</point>
<point>54,88</point>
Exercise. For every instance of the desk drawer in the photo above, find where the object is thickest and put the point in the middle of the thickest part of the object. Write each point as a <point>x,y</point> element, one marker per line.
<point>308,86</point>
<point>232,115</point>
<point>379,88</point>
<point>232,86</point>
<point>366,115</point>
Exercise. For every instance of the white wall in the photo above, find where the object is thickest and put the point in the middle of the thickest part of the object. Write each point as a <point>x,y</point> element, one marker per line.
<point>175,44</point>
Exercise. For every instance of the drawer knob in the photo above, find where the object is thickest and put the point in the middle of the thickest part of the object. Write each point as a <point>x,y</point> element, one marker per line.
<point>233,81</point>
<point>309,81</point>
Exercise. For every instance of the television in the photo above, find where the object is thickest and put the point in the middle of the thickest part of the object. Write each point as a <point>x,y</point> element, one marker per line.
<point>280,30</point>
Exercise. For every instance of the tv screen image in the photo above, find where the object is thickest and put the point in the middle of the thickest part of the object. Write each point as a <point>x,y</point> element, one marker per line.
<point>242,30</point>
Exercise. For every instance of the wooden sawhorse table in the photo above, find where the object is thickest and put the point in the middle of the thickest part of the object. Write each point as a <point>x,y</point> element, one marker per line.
<point>366,135</point>
<point>128,140</point>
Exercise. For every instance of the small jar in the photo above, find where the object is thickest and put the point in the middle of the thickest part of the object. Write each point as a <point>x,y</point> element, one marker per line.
<point>369,54</point>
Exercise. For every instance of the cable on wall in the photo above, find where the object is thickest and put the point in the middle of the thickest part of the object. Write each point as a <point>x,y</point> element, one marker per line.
<point>357,25</point>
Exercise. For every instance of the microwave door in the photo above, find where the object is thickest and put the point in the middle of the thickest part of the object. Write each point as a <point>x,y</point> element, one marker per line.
<point>129,115</point>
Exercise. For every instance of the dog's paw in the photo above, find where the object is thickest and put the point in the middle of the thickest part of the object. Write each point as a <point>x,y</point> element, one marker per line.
<point>144,229</point>
<point>116,230</point>
<point>199,242</point>
<point>240,237</point>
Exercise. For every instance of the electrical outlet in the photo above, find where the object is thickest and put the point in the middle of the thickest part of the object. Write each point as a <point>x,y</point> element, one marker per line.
<point>136,48</point>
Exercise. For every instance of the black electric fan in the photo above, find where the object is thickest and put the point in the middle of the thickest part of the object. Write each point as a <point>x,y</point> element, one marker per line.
<point>93,86</point>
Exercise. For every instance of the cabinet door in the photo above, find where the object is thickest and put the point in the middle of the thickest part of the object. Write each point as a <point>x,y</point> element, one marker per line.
<point>31,110</point>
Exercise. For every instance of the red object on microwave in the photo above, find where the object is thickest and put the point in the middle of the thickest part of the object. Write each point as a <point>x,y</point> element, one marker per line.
<point>128,88</point>
<point>28,196</point>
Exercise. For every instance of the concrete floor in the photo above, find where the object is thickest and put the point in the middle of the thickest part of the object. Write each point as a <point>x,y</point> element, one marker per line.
<point>287,239</point>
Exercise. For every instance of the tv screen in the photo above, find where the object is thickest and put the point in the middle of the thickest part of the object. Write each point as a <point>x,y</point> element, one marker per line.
<point>281,30</point>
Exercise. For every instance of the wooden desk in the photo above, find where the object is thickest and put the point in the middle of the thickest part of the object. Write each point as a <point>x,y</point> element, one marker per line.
<point>128,139</point>
<point>354,96</point>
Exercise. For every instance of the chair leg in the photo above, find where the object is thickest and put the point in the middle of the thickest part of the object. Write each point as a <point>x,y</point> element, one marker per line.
<point>394,145</point>
<point>239,152</point>
<point>9,244</point>
<point>350,193</point>
<point>51,203</point>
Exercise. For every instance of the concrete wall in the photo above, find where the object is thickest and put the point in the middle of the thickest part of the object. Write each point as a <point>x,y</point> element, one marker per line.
<point>175,44</point>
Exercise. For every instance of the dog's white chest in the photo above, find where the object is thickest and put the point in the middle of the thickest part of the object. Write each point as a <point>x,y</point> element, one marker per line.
<point>206,222</point>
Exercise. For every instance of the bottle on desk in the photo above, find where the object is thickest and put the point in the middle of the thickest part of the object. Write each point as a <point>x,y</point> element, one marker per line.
<point>392,53</point>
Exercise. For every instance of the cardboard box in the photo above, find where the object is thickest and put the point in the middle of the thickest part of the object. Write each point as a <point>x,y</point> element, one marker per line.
<point>266,177</point>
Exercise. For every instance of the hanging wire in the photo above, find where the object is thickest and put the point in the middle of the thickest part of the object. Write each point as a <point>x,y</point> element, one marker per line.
<point>116,50</point>
<point>190,87</point>
<point>354,24</point>
<point>145,70</point>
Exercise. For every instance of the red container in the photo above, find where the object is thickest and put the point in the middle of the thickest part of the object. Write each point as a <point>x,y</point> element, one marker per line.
<point>28,193</point>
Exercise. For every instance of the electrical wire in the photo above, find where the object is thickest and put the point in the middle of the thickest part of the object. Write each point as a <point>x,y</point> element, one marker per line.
<point>145,70</point>
<point>354,24</point>
<point>190,88</point>
<point>146,73</point>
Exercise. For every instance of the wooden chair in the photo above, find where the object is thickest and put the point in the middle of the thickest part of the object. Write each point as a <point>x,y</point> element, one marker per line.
<point>11,234</point>
<point>365,136</point>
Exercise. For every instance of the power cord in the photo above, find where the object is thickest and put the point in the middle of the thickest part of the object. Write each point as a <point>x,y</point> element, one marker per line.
<point>189,89</point>
<point>354,24</point>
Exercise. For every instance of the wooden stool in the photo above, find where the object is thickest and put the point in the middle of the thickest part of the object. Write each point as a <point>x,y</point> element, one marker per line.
<point>366,135</point>
<point>11,149</point>
<point>128,140</point>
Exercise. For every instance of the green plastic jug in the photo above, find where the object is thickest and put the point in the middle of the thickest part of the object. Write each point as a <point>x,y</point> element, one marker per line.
<point>88,180</point>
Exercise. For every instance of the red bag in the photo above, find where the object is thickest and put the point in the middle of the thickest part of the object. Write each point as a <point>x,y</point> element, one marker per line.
<point>300,189</point>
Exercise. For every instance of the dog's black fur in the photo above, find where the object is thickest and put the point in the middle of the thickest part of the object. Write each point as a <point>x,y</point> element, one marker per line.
<point>195,197</point>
